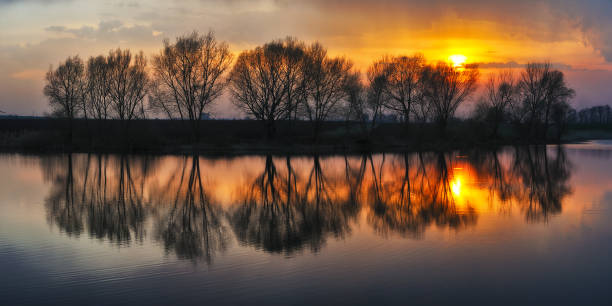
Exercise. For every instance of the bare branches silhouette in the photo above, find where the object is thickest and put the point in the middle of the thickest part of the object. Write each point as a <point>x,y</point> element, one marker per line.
<point>188,76</point>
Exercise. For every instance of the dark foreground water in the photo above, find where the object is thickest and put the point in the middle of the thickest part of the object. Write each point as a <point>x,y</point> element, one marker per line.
<point>517,226</point>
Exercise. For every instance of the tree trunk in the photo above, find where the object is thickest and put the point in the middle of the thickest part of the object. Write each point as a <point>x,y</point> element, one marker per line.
<point>270,129</point>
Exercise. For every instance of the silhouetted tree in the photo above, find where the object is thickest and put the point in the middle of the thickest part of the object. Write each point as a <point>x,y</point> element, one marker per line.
<point>259,84</point>
<point>601,114</point>
<point>295,77</point>
<point>65,88</point>
<point>557,99</point>
<point>128,81</point>
<point>445,87</point>
<point>188,76</point>
<point>501,94</point>
<point>541,88</point>
<point>404,86</point>
<point>366,102</point>
<point>326,78</point>
<point>560,116</point>
<point>97,100</point>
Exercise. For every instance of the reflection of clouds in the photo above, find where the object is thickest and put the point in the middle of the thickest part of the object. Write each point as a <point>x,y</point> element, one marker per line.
<point>285,205</point>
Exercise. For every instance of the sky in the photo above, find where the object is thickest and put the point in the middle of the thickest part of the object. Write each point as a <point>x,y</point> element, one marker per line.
<point>574,35</point>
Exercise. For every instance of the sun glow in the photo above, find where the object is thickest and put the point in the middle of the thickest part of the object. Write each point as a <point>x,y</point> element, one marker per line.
<point>457,60</point>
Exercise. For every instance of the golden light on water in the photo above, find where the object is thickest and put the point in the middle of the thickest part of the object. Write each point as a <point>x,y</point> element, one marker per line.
<point>456,186</point>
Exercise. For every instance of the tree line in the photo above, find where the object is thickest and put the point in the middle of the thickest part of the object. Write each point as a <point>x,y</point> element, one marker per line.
<point>290,80</point>
<point>599,115</point>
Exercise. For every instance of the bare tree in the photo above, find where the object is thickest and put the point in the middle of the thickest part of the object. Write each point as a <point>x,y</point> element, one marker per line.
<point>128,81</point>
<point>541,89</point>
<point>259,84</point>
<point>403,88</point>
<point>295,60</point>
<point>446,87</point>
<point>326,78</point>
<point>65,88</point>
<point>557,100</point>
<point>532,85</point>
<point>501,93</point>
<point>366,101</point>
<point>356,108</point>
<point>189,77</point>
<point>97,102</point>
<point>560,116</point>
<point>378,80</point>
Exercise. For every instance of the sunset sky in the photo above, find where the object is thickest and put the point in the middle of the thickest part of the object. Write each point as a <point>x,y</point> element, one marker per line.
<point>574,35</point>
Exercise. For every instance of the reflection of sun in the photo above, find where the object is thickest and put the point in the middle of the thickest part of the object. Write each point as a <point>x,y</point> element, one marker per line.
<point>456,186</point>
<point>458,60</point>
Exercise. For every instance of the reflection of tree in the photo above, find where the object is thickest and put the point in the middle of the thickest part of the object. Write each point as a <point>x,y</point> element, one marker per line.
<point>399,207</point>
<point>108,203</point>
<point>534,181</point>
<point>61,201</point>
<point>297,203</point>
<point>545,181</point>
<point>490,171</point>
<point>192,227</point>
<point>283,212</point>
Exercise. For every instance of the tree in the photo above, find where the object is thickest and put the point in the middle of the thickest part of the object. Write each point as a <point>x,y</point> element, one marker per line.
<point>541,88</point>
<point>560,116</point>
<point>260,82</point>
<point>356,102</point>
<point>445,87</point>
<point>65,88</point>
<point>366,101</point>
<point>97,103</point>
<point>403,89</point>
<point>500,94</point>
<point>295,78</point>
<point>188,76</point>
<point>128,81</point>
<point>556,102</point>
<point>326,78</point>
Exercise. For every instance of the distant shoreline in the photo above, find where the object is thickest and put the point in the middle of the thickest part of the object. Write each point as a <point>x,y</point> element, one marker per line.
<point>239,137</point>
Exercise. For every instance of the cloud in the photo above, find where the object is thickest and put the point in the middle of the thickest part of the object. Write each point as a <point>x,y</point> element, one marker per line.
<point>513,65</point>
<point>109,31</point>
<point>29,74</point>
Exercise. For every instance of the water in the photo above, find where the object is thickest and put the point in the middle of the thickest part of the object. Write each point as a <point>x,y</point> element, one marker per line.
<point>517,226</point>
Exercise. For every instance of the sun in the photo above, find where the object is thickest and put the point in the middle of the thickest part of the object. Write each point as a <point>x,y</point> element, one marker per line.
<point>458,60</point>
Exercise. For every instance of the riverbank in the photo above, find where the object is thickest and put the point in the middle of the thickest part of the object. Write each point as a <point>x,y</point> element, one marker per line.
<point>248,137</point>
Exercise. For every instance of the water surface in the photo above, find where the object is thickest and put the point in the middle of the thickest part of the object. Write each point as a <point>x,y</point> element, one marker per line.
<point>515,226</point>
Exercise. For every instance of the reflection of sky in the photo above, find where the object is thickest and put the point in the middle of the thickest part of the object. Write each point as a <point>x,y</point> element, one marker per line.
<point>37,33</point>
<point>501,254</point>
